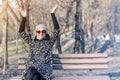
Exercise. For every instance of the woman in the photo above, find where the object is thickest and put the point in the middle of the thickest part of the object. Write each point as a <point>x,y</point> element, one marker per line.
<point>39,62</point>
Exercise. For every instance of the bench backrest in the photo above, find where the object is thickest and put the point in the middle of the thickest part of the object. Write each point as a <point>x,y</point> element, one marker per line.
<point>74,61</point>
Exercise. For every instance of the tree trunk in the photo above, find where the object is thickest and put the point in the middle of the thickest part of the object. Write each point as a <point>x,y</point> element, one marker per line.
<point>5,35</point>
<point>69,9</point>
<point>16,29</point>
<point>28,28</point>
<point>77,28</point>
<point>13,13</point>
<point>82,41</point>
<point>27,22</point>
<point>58,45</point>
<point>79,32</point>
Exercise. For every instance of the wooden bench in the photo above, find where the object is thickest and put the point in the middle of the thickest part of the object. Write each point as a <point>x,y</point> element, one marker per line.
<point>96,61</point>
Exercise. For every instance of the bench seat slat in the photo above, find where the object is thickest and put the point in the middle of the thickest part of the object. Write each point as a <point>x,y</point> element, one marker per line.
<point>80,55</point>
<point>95,55</point>
<point>16,78</point>
<point>80,67</point>
<point>83,78</point>
<point>21,67</point>
<point>73,61</point>
<point>73,67</point>
<point>21,61</point>
<point>80,61</point>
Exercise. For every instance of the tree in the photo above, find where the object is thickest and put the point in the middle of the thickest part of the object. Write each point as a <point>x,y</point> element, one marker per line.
<point>79,33</point>
<point>5,34</point>
<point>13,15</point>
<point>69,9</point>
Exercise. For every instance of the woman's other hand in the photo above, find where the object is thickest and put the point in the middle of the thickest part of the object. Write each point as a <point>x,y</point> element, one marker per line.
<point>53,10</point>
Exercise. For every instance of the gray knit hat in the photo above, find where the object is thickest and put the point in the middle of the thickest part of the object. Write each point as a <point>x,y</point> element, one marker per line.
<point>43,26</point>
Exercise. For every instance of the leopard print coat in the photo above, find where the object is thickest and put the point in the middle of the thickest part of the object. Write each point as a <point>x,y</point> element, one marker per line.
<point>40,53</point>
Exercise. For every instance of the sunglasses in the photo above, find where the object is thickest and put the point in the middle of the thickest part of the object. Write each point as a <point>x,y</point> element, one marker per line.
<point>43,31</point>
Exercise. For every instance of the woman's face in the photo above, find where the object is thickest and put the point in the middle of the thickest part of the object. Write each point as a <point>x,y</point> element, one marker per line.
<point>40,33</point>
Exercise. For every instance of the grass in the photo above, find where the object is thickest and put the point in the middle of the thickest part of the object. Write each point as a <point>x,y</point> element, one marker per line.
<point>12,49</point>
<point>115,78</point>
<point>114,54</point>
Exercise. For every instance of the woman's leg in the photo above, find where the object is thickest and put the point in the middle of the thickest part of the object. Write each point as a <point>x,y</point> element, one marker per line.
<point>36,77</point>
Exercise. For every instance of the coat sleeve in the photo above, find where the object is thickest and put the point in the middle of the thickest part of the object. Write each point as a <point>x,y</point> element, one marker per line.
<point>56,29</point>
<point>26,37</point>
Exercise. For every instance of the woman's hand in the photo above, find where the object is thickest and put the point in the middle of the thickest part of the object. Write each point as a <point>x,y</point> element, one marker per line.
<point>55,22</point>
<point>23,12</point>
<point>53,10</point>
<point>23,7</point>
